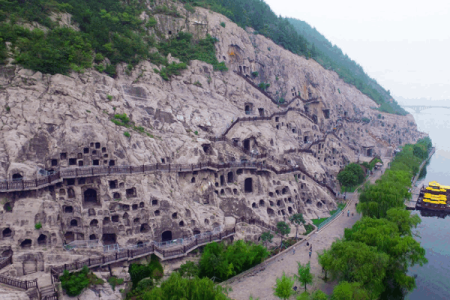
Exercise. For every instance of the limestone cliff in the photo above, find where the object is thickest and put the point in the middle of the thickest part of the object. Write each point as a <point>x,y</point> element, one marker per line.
<point>302,130</point>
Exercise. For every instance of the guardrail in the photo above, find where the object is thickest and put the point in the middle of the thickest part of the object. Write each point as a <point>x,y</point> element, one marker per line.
<point>21,284</point>
<point>331,218</point>
<point>140,251</point>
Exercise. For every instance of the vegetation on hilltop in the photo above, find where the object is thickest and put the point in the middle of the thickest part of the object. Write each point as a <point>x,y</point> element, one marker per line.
<point>111,32</point>
<point>331,57</point>
<point>294,36</point>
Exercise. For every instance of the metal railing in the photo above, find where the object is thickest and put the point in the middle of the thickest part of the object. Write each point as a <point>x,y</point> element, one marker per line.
<point>331,218</point>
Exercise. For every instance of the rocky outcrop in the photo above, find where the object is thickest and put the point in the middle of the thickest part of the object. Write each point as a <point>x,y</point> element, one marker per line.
<point>50,123</point>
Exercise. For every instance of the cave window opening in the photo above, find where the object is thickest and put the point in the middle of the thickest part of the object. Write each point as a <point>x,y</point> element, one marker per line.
<point>72,161</point>
<point>270,212</point>
<point>115,218</point>
<point>174,216</point>
<point>181,224</point>
<point>92,237</point>
<point>17,177</point>
<point>7,232</point>
<point>239,171</point>
<point>193,180</point>
<point>131,193</point>
<point>253,205</point>
<point>68,209</point>
<point>136,221</point>
<point>86,150</point>
<point>154,202</point>
<point>71,181</point>
<point>54,162</point>
<point>166,236</point>
<point>63,155</point>
<point>126,207</point>
<point>144,228</point>
<point>134,207</point>
<point>42,240</point>
<point>97,145</point>
<point>222,180</point>
<point>106,220</point>
<point>109,239</point>
<point>95,162</point>
<point>70,193</point>
<point>94,223</point>
<point>104,149</point>
<point>248,185</point>
<point>80,163</point>
<point>116,196</point>
<point>94,152</point>
<point>157,213</point>
<point>113,184</point>
<point>69,236</point>
<point>141,204</point>
<point>261,112</point>
<point>26,243</point>
<point>247,144</point>
<point>74,223</point>
<point>261,203</point>
<point>230,177</point>
<point>235,191</point>
<point>112,163</point>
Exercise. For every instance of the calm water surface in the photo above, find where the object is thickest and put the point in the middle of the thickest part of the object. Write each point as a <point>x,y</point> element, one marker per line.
<point>433,279</point>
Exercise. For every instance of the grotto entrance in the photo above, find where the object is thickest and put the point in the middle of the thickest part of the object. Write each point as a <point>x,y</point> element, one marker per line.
<point>166,236</point>
<point>90,197</point>
<point>109,238</point>
<point>248,185</point>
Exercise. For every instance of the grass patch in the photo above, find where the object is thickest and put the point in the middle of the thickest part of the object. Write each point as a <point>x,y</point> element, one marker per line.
<point>317,222</point>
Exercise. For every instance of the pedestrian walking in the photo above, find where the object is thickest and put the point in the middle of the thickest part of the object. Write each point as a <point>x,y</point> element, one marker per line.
<point>293,250</point>
<point>310,247</point>
<point>348,213</point>
<point>310,252</point>
<point>307,243</point>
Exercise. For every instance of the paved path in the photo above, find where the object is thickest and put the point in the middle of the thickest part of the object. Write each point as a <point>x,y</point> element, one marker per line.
<point>261,285</point>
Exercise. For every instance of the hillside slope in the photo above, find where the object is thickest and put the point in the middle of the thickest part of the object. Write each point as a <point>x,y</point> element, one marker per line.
<point>138,159</point>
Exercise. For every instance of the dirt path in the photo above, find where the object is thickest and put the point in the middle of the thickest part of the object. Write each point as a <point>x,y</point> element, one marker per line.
<point>261,285</point>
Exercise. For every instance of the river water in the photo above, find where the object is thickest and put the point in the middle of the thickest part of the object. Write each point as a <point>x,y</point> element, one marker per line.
<point>433,279</point>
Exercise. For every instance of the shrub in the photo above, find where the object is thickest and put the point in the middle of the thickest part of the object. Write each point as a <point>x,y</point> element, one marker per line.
<point>151,22</point>
<point>75,283</point>
<point>255,74</point>
<point>352,175</point>
<point>139,272</point>
<point>196,132</point>
<point>264,86</point>
<point>8,109</point>
<point>222,24</point>
<point>189,8</point>
<point>127,134</point>
<point>121,120</point>
<point>113,281</point>
<point>38,225</point>
<point>109,97</point>
<point>197,83</point>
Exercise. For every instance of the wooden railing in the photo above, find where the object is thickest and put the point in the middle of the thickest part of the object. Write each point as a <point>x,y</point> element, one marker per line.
<point>137,252</point>
<point>275,114</point>
<point>21,284</point>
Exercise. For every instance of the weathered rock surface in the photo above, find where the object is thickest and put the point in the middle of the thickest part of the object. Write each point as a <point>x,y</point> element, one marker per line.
<point>52,122</point>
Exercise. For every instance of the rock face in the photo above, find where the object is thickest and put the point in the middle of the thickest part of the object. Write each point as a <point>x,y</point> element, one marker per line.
<point>52,123</point>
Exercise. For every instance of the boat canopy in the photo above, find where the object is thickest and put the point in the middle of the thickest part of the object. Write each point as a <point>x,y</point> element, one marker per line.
<point>435,189</point>
<point>434,202</point>
<point>435,184</point>
<point>435,197</point>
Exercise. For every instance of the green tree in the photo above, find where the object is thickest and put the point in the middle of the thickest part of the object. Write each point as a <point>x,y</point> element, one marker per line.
<point>266,237</point>
<point>403,250</point>
<point>325,260</point>
<point>177,287</point>
<point>189,270</point>
<point>297,219</point>
<point>283,288</point>
<point>356,261</point>
<point>304,274</point>
<point>283,229</point>
<point>349,291</point>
